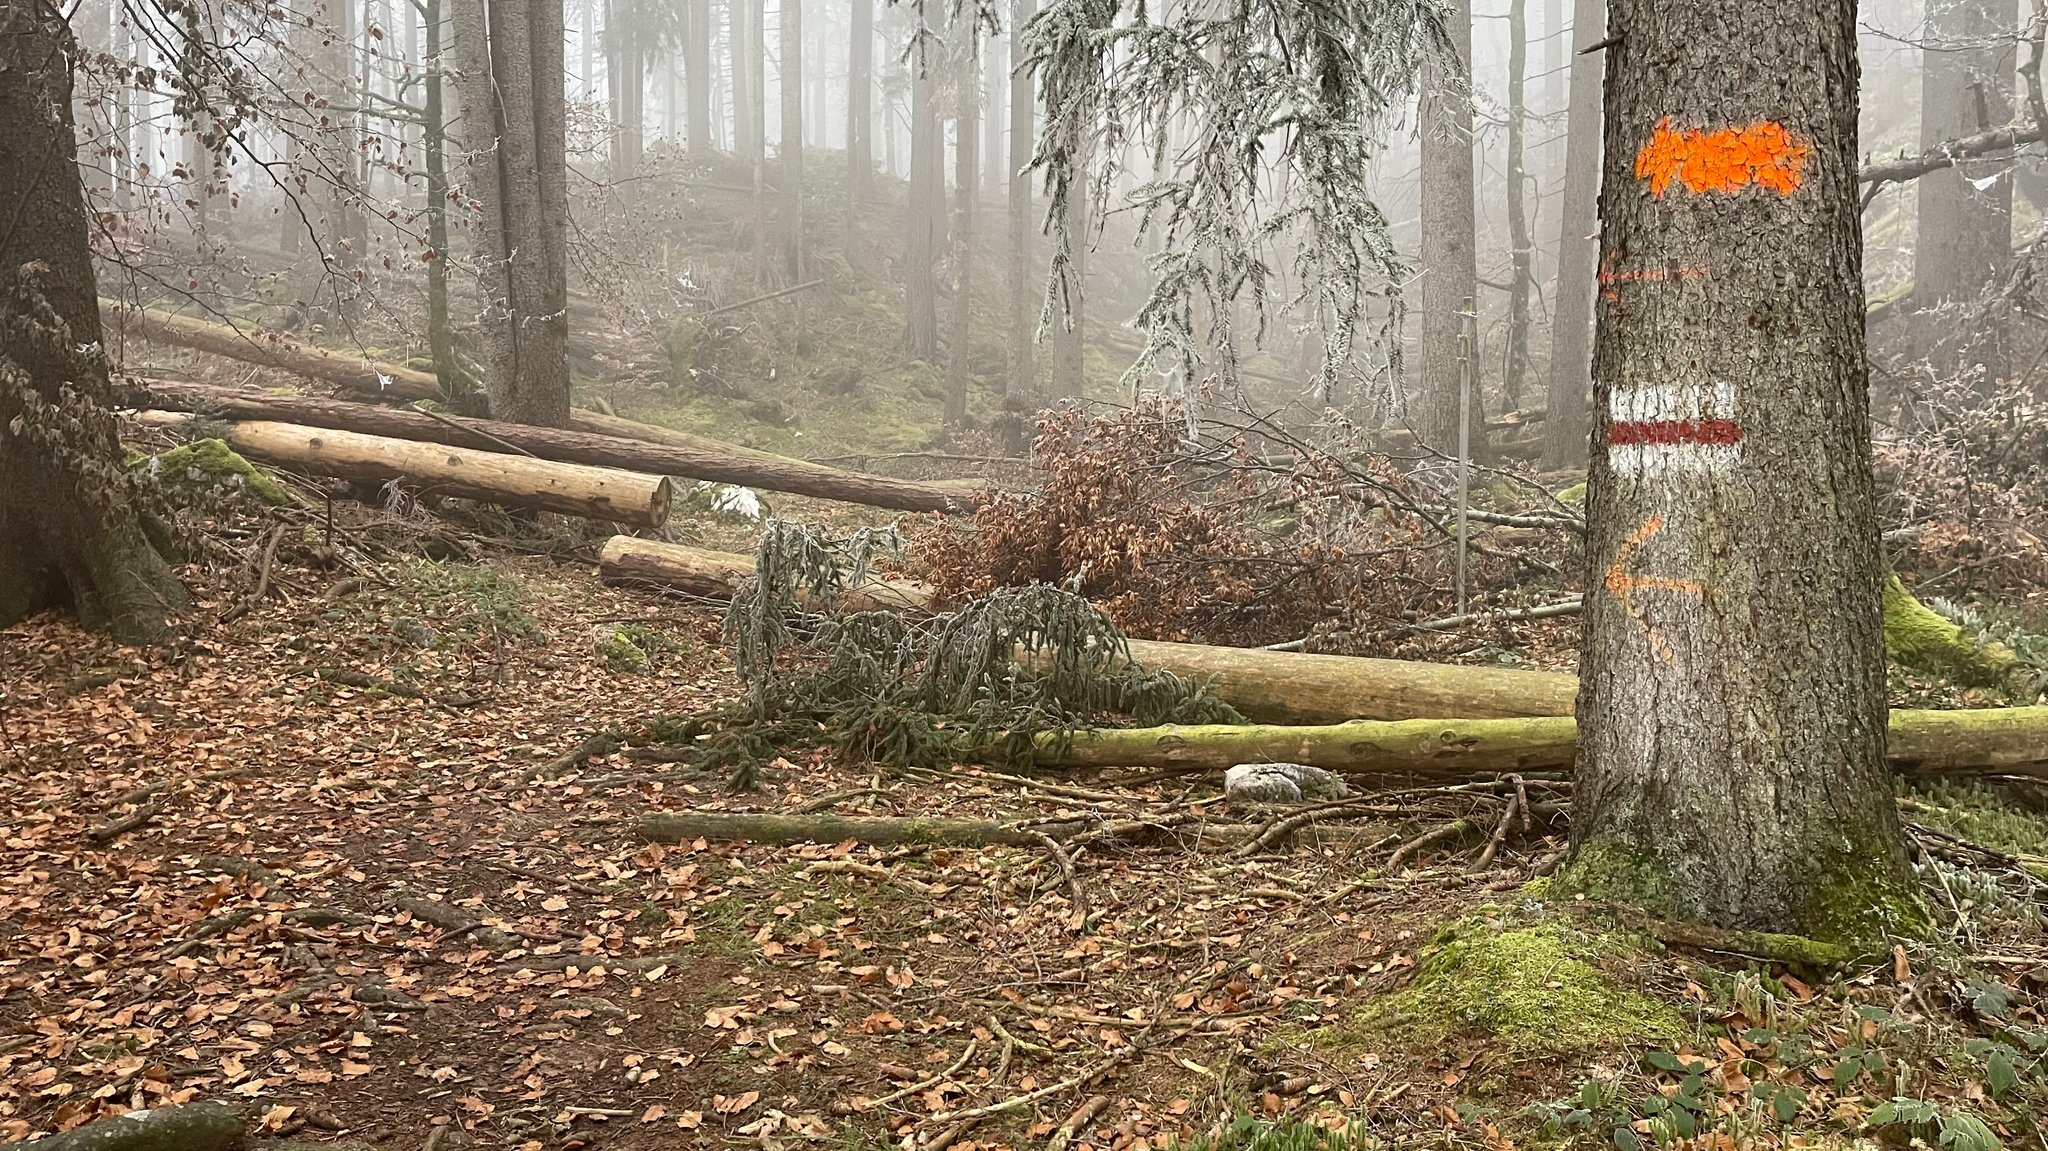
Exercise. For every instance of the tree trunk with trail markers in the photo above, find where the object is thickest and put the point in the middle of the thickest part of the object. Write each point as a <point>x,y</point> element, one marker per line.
<point>1578,248</point>
<point>1449,242</point>
<point>70,533</point>
<point>1732,762</point>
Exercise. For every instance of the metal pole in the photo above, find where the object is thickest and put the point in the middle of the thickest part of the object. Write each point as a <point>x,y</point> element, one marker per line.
<point>1466,317</point>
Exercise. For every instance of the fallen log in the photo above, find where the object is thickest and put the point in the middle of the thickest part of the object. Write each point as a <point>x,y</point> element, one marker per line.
<point>604,441</point>
<point>269,349</point>
<point>514,481</point>
<point>1267,686</point>
<point>1293,687</point>
<point>782,830</point>
<point>2011,741</point>
<point>208,1126</point>
<point>717,575</point>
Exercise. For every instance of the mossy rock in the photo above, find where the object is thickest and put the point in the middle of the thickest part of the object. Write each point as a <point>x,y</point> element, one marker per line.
<point>1917,637</point>
<point>208,463</point>
<point>1533,989</point>
<point>621,654</point>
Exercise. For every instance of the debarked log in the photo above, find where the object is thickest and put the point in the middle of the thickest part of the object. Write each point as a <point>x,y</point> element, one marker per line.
<point>515,481</point>
<point>2010,741</point>
<point>188,1127</point>
<point>718,575</point>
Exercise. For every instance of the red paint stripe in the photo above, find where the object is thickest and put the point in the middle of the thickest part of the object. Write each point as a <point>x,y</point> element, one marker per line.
<point>1675,432</point>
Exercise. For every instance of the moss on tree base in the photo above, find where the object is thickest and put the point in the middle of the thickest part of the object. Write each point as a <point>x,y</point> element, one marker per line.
<point>1531,989</point>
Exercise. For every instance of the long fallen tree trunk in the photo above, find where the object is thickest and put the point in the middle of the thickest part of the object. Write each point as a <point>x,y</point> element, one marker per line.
<point>717,575</point>
<point>2012,741</point>
<point>355,373</point>
<point>210,1126</point>
<point>611,494</point>
<point>1267,686</point>
<point>596,439</point>
<point>778,829</point>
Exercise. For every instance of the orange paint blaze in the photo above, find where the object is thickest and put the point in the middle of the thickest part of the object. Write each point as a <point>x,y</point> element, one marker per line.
<point>1726,160</point>
<point>1624,586</point>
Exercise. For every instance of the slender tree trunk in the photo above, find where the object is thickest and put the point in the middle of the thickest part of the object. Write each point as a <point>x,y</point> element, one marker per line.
<point>1070,314</point>
<point>739,32</point>
<point>544,386</point>
<point>966,189</point>
<point>993,88</point>
<point>586,42</point>
<point>926,205</point>
<point>1023,137</point>
<point>1449,241</point>
<point>697,77</point>
<point>1578,248</point>
<point>791,154</point>
<point>70,533</point>
<point>1732,698</point>
<point>440,329</point>
<point>1964,241</point>
<point>1522,254</point>
<point>860,102</point>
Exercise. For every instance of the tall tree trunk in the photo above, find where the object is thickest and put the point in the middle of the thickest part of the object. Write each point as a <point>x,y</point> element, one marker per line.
<point>994,181</point>
<point>1070,313</point>
<point>860,102</point>
<point>434,136</point>
<point>927,203</point>
<point>966,189</point>
<point>1450,270</point>
<point>1578,248</point>
<point>1023,137</point>
<point>697,77</point>
<point>791,154</point>
<point>736,37</point>
<point>586,41</point>
<point>69,529</point>
<point>1732,697</point>
<point>1964,241</point>
<point>1522,253</point>
<point>512,96</point>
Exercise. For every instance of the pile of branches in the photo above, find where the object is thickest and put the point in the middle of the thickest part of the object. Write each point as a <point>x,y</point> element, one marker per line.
<point>982,681</point>
<point>1237,531</point>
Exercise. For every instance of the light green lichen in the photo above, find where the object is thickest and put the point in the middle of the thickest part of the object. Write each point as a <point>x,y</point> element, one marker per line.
<point>621,654</point>
<point>1917,637</point>
<point>1527,990</point>
<point>212,462</point>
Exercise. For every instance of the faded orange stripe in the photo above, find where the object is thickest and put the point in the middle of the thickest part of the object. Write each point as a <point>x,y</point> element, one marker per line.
<point>1726,160</point>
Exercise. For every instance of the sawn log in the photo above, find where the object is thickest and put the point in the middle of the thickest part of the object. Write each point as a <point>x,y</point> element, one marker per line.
<point>717,575</point>
<point>611,494</point>
<point>356,373</point>
<point>2009,741</point>
<point>605,441</point>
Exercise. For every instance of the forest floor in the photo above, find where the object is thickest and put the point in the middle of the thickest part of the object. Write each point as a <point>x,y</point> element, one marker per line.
<point>337,860</point>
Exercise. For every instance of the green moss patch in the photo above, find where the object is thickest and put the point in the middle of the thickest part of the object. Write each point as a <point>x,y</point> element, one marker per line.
<point>1528,991</point>
<point>1917,637</point>
<point>212,463</point>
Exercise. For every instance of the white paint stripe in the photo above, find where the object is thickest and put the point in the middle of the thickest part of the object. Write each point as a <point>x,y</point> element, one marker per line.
<point>1661,402</point>
<point>1645,460</point>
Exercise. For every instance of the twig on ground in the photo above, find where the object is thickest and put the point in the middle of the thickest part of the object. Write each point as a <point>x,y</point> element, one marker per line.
<point>1451,830</point>
<point>869,871</point>
<point>834,799</point>
<point>602,743</point>
<point>1076,894</point>
<point>262,579</point>
<point>555,880</point>
<point>1500,835</point>
<point>924,1084</point>
<point>127,823</point>
<point>1076,1122</point>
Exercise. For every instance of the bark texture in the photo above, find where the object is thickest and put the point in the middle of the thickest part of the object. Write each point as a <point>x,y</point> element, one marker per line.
<point>69,529</point>
<point>860,101</point>
<point>966,189</point>
<point>1450,271</point>
<point>790,25</point>
<point>1733,698</point>
<point>1578,248</point>
<point>926,208</point>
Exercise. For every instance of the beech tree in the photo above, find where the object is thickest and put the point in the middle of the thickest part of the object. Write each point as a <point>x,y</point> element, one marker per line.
<point>1732,703</point>
<point>70,530</point>
<point>511,88</point>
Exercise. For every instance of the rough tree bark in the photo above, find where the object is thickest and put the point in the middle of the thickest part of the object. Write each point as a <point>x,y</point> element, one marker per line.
<point>1023,133</point>
<point>511,89</point>
<point>1964,240</point>
<point>70,532</point>
<point>1450,270</point>
<point>860,102</point>
<point>1732,759</point>
<point>1578,248</point>
<point>926,207</point>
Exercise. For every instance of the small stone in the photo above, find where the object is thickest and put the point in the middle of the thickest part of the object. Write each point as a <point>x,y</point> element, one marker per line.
<point>1281,783</point>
